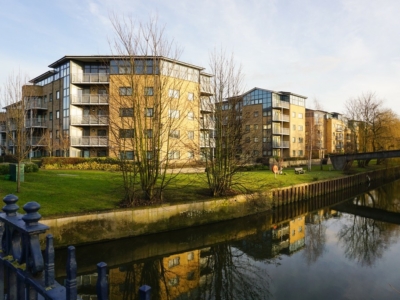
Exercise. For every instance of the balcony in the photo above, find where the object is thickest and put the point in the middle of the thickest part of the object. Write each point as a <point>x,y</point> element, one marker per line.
<point>339,129</point>
<point>36,141</point>
<point>283,118</point>
<point>89,141</point>
<point>91,78</point>
<point>36,123</point>
<point>2,128</point>
<point>89,120</point>
<point>89,99</point>
<point>3,143</point>
<point>282,104</point>
<point>35,103</point>
<point>210,143</point>
<point>207,124</point>
<point>280,144</point>
<point>281,131</point>
<point>206,106</point>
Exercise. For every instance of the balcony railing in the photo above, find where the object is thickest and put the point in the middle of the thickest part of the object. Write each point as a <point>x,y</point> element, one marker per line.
<point>339,129</point>
<point>35,123</point>
<point>280,144</point>
<point>89,141</point>
<point>207,124</point>
<point>281,131</point>
<point>89,99</point>
<point>35,103</point>
<point>36,141</point>
<point>284,118</point>
<point>91,78</point>
<point>206,105</point>
<point>207,143</point>
<point>89,120</point>
<point>282,104</point>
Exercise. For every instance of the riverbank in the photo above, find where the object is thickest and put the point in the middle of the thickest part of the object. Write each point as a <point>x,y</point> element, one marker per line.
<point>140,221</point>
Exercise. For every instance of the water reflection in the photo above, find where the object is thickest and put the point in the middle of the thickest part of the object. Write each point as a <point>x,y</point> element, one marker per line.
<point>255,258</point>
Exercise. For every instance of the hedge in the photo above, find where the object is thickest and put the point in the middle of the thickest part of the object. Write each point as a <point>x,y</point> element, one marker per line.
<point>80,163</point>
<point>28,168</point>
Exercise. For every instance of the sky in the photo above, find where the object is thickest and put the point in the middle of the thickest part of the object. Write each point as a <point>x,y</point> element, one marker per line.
<point>330,51</point>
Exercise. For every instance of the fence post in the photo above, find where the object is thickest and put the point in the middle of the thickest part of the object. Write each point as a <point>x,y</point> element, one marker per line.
<point>144,292</point>
<point>101,285</point>
<point>70,284</point>
<point>49,262</point>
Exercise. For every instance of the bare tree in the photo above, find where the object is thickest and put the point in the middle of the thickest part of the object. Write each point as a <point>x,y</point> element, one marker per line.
<point>148,107</point>
<point>222,158</point>
<point>15,100</point>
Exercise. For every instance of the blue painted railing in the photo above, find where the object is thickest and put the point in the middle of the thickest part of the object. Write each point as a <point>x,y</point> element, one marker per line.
<point>25,273</point>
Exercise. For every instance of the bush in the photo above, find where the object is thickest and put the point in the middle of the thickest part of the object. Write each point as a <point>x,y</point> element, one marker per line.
<point>4,169</point>
<point>31,167</point>
<point>8,159</point>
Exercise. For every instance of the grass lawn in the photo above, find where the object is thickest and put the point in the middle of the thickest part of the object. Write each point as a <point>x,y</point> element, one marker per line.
<point>62,192</point>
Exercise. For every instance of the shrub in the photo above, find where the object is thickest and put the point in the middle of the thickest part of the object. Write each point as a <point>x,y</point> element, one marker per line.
<point>8,159</point>
<point>4,169</point>
<point>31,167</point>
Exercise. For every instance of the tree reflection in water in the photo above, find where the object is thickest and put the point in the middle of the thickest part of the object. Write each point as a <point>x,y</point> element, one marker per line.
<point>315,238</point>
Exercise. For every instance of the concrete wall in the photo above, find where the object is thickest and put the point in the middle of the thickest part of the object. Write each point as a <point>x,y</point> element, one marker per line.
<point>139,221</point>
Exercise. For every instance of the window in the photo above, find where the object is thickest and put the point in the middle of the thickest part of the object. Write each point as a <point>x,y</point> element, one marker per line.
<point>256,140</point>
<point>190,256</point>
<point>126,112</point>
<point>190,154</point>
<point>190,135</point>
<point>149,112</point>
<point>247,128</point>
<point>101,153</point>
<point>50,115</point>
<point>174,154</point>
<point>58,95</point>
<point>175,134</point>
<point>300,116</point>
<point>300,152</point>
<point>190,96</point>
<point>190,275</point>
<point>45,98</point>
<point>57,134</point>
<point>294,114</point>
<point>149,133</point>
<point>300,127</point>
<point>294,127</point>
<point>255,126</point>
<point>174,281</point>
<point>148,91</point>
<point>247,140</point>
<point>191,115</point>
<point>255,153</point>
<point>255,114</point>
<point>173,113</point>
<point>173,262</point>
<point>173,93</point>
<point>294,153</point>
<point>125,91</point>
<point>264,126</point>
<point>126,133</point>
<point>301,140</point>
<point>294,140</point>
<point>51,97</point>
<point>57,114</point>
<point>264,139</point>
<point>149,155</point>
<point>101,132</point>
<point>126,155</point>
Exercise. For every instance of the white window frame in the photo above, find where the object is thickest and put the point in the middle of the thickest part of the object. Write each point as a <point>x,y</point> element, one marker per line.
<point>173,93</point>
<point>173,113</point>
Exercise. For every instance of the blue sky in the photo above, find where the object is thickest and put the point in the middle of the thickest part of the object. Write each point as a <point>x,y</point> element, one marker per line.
<point>329,50</point>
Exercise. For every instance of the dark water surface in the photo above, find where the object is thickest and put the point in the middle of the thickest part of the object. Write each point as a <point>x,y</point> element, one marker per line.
<point>320,252</point>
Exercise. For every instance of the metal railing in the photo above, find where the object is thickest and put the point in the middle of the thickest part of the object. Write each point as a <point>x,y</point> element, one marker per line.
<point>89,120</point>
<point>35,141</point>
<point>35,103</point>
<point>284,118</point>
<point>89,99</point>
<point>282,104</point>
<point>284,144</point>
<point>281,131</point>
<point>26,272</point>
<point>89,141</point>
<point>36,122</point>
<point>90,78</point>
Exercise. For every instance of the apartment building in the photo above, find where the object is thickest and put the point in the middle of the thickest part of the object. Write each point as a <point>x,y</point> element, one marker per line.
<point>273,124</point>
<point>95,106</point>
<point>330,133</point>
<point>2,133</point>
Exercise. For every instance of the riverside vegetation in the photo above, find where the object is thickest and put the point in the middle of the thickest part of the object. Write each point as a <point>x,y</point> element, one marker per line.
<point>68,192</point>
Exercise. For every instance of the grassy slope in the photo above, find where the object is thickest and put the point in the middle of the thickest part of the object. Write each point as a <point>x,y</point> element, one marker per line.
<point>68,192</point>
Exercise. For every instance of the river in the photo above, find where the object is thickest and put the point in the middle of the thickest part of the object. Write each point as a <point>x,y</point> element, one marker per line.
<point>324,251</point>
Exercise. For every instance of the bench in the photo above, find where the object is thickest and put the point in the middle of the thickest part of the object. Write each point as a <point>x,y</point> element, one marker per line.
<point>298,171</point>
